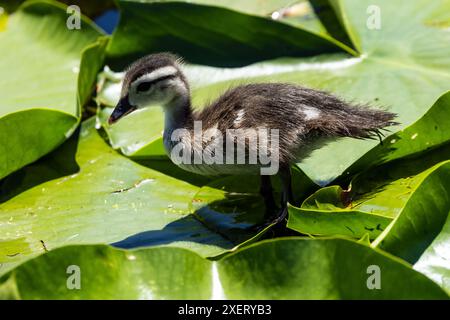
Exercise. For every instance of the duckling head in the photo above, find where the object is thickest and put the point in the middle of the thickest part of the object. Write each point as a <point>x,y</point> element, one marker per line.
<point>154,80</point>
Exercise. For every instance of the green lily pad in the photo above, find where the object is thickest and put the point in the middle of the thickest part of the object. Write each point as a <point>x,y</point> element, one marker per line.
<point>230,206</point>
<point>319,269</point>
<point>277,269</point>
<point>422,217</point>
<point>255,7</point>
<point>435,261</point>
<point>128,136</point>
<point>47,111</point>
<point>331,15</point>
<point>325,213</point>
<point>375,199</point>
<point>205,34</point>
<point>298,13</point>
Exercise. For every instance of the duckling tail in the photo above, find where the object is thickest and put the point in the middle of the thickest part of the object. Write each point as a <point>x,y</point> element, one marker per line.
<point>360,122</point>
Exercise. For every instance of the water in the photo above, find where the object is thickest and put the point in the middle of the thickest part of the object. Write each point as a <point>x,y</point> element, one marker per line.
<point>108,20</point>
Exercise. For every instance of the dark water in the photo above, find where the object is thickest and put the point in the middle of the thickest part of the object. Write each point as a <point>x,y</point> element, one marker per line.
<point>108,20</point>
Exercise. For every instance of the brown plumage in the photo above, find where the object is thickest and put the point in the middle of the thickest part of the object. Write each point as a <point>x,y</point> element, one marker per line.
<point>285,107</point>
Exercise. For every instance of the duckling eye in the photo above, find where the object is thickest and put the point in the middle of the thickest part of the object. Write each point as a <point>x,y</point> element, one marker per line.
<point>143,86</point>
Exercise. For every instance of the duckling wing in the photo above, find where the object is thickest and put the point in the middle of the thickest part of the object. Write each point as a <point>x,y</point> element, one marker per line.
<point>304,117</point>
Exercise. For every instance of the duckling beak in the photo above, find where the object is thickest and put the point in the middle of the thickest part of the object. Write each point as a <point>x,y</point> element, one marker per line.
<point>122,109</point>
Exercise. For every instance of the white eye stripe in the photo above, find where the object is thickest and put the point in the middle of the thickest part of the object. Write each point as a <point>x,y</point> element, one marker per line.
<point>149,93</point>
<point>156,74</point>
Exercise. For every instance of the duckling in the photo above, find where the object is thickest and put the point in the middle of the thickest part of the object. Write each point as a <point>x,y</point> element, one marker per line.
<point>294,120</point>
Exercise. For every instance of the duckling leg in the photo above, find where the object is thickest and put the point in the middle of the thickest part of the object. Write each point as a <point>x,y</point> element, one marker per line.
<point>286,193</point>
<point>266,192</point>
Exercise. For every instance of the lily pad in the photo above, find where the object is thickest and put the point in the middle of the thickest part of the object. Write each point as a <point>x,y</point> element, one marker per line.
<point>330,13</point>
<point>47,111</point>
<point>435,261</point>
<point>230,206</point>
<point>422,217</point>
<point>298,13</point>
<point>319,269</point>
<point>205,33</point>
<point>277,269</point>
<point>378,197</point>
<point>325,213</point>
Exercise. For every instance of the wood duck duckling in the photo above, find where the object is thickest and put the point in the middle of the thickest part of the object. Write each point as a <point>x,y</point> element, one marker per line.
<point>259,128</point>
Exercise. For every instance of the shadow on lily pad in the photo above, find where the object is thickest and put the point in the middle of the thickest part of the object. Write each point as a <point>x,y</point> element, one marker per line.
<point>59,163</point>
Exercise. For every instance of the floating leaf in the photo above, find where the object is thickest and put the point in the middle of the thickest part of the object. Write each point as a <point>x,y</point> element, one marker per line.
<point>375,198</point>
<point>435,261</point>
<point>324,213</point>
<point>277,269</point>
<point>47,111</point>
<point>422,217</point>
<point>205,34</point>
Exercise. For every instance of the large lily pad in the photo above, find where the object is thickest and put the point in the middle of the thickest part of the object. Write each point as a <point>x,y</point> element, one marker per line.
<point>381,202</point>
<point>328,213</point>
<point>410,191</point>
<point>278,269</point>
<point>435,261</point>
<point>298,13</point>
<point>110,199</point>
<point>204,34</point>
<point>331,14</point>
<point>422,218</point>
<point>36,45</point>
<point>318,269</point>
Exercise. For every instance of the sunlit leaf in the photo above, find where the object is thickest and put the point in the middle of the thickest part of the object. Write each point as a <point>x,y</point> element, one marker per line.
<point>278,269</point>
<point>40,67</point>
